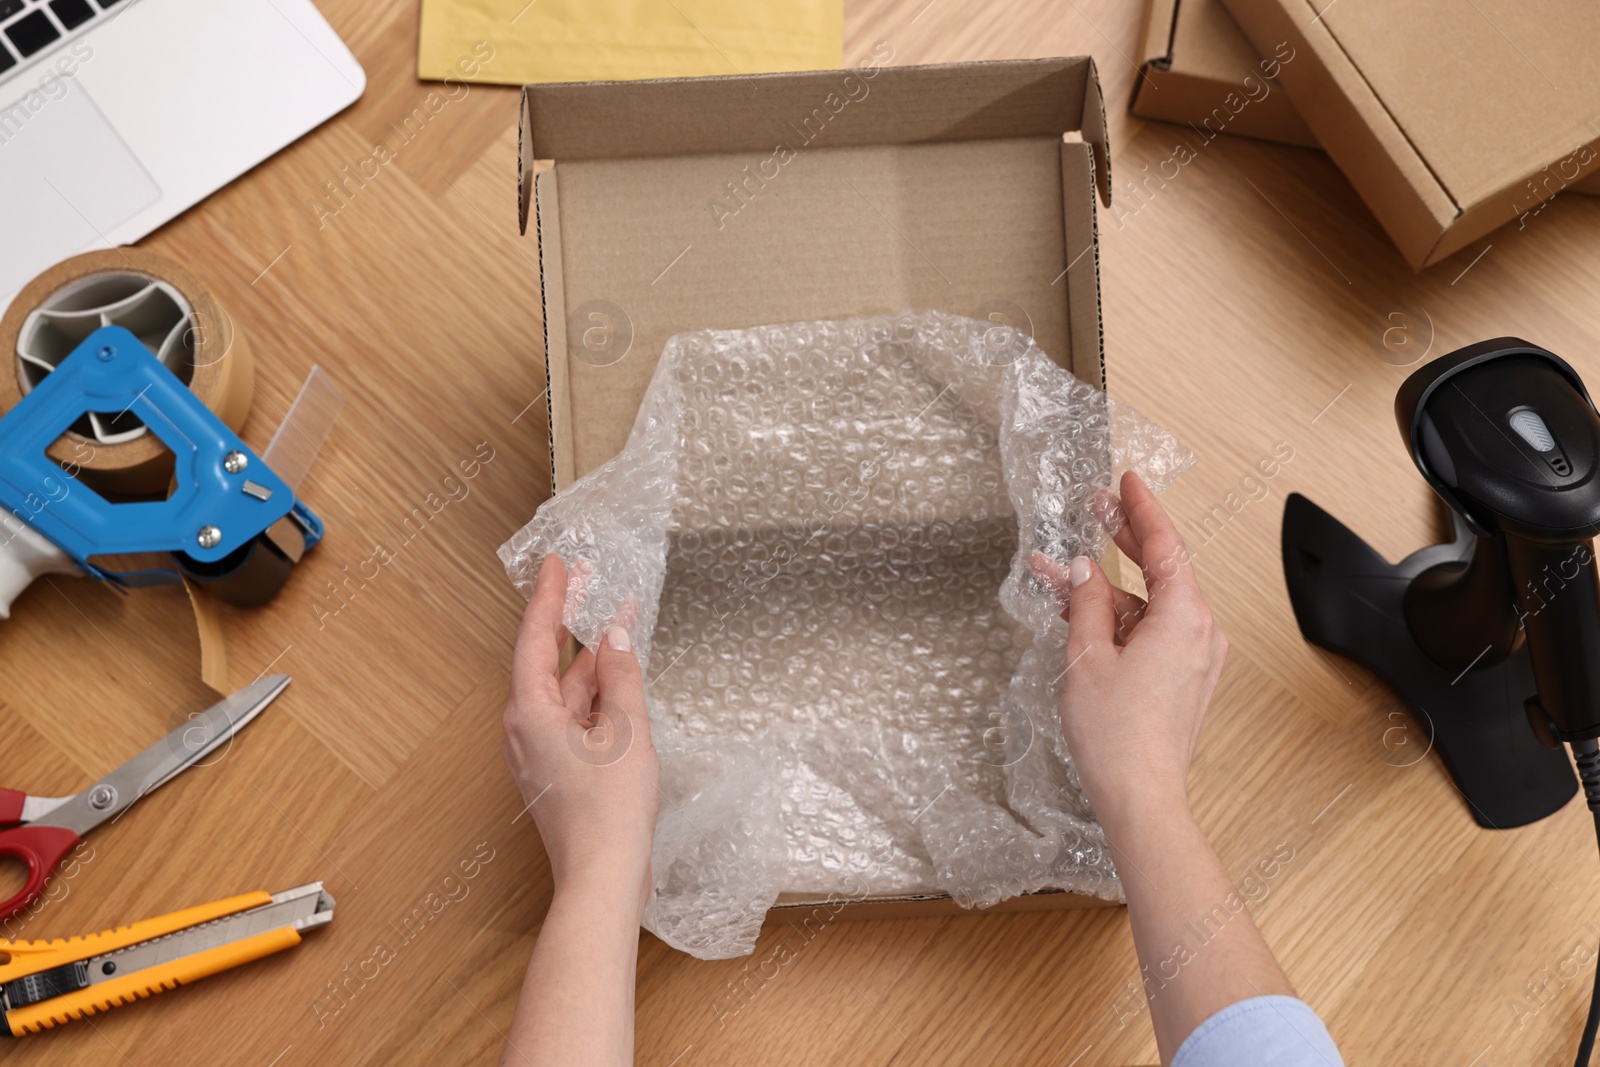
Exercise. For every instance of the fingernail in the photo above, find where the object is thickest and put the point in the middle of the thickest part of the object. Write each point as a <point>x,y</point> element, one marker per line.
<point>618,638</point>
<point>1078,572</point>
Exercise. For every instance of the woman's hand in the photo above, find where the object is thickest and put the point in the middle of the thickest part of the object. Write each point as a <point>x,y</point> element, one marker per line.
<point>579,747</point>
<point>1138,677</point>
<point>578,744</point>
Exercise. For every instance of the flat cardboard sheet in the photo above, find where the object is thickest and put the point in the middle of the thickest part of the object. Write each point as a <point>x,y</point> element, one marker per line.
<point>1449,118</point>
<point>580,40</point>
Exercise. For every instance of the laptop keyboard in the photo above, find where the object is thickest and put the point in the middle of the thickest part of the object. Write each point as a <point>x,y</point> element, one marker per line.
<point>27,27</point>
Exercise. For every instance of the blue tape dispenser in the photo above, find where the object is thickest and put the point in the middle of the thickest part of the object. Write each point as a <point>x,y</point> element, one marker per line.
<point>229,522</point>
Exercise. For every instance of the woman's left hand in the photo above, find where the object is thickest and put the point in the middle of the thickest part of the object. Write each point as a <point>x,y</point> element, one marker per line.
<point>578,744</point>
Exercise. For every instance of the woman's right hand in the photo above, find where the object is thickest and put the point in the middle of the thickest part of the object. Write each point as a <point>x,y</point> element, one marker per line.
<point>1138,676</point>
<point>1138,679</point>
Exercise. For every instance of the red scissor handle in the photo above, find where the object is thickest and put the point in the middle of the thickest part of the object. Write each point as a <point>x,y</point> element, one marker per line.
<point>42,848</point>
<point>11,801</point>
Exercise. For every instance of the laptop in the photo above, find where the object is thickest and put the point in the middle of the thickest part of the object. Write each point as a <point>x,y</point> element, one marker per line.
<point>116,115</point>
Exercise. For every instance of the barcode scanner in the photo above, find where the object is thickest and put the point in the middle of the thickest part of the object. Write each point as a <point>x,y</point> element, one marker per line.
<point>1507,436</point>
<point>1493,638</point>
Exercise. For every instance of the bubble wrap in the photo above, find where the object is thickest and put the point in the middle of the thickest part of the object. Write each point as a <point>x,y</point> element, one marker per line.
<point>821,533</point>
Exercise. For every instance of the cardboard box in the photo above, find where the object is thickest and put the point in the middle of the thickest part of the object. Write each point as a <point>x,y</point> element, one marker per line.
<point>1198,68</point>
<point>672,205</point>
<point>1449,119</point>
<point>1201,70</point>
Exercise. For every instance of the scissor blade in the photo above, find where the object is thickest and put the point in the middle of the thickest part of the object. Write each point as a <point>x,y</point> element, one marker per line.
<point>169,757</point>
<point>215,727</point>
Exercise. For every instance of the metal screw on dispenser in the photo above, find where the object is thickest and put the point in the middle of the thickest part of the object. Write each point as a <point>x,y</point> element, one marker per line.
<point>102,797</point>
<point>235,461</point>
<point>105,353</point>
<point>209,537</point>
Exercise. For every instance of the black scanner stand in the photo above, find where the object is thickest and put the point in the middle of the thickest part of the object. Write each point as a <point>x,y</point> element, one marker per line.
<point>1349,600</point>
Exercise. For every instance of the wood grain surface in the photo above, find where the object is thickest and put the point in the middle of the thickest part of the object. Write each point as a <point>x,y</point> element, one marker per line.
<point>1246,304</point>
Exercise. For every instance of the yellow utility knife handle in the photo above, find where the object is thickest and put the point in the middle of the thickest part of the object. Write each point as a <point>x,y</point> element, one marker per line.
<point>31,957</point>
<point>148,982</point>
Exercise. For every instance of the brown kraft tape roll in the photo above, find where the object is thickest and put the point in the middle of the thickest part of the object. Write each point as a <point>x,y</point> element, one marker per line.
<point>170,310</point>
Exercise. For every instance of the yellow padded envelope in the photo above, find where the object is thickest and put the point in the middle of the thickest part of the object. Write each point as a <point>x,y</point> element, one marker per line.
<point>514,42</point>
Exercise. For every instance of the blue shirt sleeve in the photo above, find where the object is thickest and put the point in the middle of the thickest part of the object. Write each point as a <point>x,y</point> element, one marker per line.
<point>1260,1032</point>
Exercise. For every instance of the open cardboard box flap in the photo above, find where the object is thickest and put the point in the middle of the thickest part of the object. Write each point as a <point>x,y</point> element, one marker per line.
<point>1449,119</point>
<point>682,204</point>
<point>674,205</point>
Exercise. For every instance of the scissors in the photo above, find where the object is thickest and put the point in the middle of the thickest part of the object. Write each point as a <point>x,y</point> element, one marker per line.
<point>44,829</point>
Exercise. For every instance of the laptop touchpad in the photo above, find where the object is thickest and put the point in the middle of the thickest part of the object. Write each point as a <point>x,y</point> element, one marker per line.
<point>66,180</point>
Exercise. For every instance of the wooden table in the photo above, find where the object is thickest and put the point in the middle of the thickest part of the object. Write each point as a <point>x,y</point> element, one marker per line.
<point>1245,302</point>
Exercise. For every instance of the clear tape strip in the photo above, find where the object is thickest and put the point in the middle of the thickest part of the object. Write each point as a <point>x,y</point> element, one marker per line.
<point>299,439</point>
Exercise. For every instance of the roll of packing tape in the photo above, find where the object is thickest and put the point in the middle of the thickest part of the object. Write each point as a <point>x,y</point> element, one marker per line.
<point>167,308</point>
